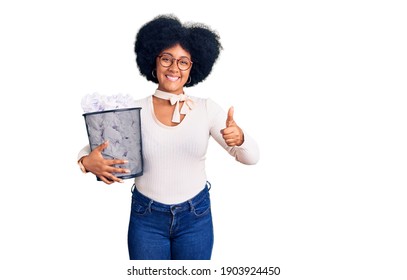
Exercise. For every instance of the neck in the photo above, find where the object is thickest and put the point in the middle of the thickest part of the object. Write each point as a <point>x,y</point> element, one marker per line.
<point>170,92</point>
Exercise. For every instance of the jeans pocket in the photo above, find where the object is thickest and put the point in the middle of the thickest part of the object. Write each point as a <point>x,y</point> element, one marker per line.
<point>138,208</point>
<point>203,207</point>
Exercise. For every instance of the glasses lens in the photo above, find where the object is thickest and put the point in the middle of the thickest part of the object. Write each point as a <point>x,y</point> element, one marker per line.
<point>184,63</point>
<point>166,60</point>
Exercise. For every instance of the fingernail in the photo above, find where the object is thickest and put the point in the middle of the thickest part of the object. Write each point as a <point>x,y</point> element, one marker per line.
<point>125,161</point>
<point>127,170</point>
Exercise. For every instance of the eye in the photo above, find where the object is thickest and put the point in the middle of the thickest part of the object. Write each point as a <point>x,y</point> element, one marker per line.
<point>184,62</point>
<point>165,59</point>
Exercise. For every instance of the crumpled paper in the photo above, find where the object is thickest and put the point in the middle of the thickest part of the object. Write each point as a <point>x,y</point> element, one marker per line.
<point>97,102</point>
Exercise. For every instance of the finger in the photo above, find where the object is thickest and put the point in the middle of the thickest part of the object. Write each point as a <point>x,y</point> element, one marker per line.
<point>112,178</point>
<point>228,130</point>
<point>105,180</point>
<point>115,179</point>
<point>230,121</point>
<point>118,170</point>
<point>229,137</point>
<point>116,161</point>
<point>231,142</point>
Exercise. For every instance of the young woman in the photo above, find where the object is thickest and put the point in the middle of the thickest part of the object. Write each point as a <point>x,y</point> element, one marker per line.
<point>170,213</point>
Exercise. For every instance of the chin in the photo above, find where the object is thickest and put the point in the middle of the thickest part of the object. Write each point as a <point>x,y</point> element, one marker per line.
<point>173,88</point>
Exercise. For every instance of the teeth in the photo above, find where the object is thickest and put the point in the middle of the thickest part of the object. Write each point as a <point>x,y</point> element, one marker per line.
<point>172,78</point>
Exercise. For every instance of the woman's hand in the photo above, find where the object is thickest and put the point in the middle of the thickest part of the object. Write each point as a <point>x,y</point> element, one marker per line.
<point>232,134</point>
<point>103,168</point>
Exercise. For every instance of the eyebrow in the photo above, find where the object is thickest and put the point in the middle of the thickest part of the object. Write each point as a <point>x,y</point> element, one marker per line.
<point>174,56</point>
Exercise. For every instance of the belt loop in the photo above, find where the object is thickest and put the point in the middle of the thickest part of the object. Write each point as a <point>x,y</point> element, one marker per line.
<point>149,205</point>
<point>133,187</point>
<point>208,184</point>
<point>191,206</point>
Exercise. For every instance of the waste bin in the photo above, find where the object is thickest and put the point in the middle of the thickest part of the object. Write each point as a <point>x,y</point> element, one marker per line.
<point>122,128</point>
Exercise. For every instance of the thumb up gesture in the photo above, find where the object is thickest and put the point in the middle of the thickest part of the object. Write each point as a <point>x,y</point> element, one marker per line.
<point>232,134</point>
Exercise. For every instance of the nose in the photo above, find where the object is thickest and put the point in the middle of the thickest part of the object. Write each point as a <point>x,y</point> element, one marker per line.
<point>174,66</point>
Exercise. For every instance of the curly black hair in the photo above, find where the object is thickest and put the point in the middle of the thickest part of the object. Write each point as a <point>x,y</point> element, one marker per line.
<point>165,31</point>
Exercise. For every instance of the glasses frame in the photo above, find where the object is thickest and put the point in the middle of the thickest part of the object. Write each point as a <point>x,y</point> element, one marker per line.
<point>172,61</point>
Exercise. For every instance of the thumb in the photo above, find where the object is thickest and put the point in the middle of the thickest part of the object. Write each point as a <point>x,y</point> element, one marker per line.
<point>102,146</point>
<point>230,121</point>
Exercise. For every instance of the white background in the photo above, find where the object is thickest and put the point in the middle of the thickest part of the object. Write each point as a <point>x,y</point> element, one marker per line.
<point>320,85</point>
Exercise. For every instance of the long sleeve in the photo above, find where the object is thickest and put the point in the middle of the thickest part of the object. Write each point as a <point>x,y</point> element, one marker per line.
<point>247,153</point>
<point>84,152</point>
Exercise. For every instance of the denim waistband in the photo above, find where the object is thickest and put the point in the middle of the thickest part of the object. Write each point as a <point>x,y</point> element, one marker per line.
<point>186,205</point>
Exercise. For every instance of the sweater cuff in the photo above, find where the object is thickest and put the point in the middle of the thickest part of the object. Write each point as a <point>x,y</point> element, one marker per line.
<point>84,152</point>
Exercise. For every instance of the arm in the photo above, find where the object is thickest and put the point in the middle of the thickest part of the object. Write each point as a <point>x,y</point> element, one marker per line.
<point>94,162</point>
<point>230,136</point>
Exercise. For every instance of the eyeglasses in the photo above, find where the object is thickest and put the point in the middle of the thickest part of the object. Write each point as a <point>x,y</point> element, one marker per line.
<point>183,63</point>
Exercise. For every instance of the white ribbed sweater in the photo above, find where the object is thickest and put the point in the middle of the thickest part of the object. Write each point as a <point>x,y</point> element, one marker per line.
<point>174,156</point>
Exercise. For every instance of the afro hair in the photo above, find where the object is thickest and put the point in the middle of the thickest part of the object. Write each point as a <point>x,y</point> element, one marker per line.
<point>164,32</point>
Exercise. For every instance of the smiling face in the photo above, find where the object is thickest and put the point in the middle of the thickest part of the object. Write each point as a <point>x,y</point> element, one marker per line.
<point>171,79</point>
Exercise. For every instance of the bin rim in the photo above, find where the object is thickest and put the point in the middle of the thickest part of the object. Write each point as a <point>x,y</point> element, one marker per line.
<point>112,110</point>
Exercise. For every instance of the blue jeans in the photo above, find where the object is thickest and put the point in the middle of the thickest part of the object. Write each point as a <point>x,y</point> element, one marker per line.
<point>170,232</point>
